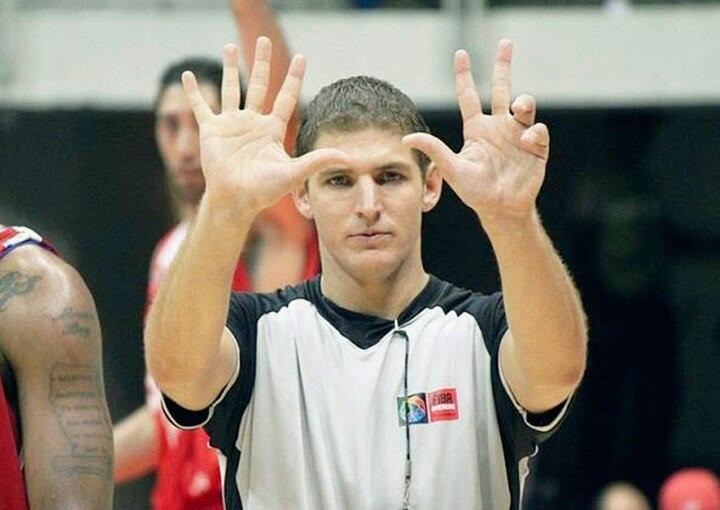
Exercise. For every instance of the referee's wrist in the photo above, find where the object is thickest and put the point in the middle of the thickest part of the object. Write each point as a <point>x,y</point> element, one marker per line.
<point>226,218</point>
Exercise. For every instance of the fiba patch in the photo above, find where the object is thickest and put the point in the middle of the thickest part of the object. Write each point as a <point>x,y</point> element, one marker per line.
<point>429,407</point>
<point>443,405</point>
<point>416,409</point>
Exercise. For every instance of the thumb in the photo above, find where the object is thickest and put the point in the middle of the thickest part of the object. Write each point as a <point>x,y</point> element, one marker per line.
<point>314,161</point>
<point>433,147</point>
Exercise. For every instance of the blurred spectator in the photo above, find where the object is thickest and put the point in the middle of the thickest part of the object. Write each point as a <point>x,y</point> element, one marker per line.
<point>690,489</point>
<point>622,496</point>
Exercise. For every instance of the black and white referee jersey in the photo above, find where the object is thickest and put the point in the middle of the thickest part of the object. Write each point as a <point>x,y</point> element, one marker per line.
<point>314,418</point>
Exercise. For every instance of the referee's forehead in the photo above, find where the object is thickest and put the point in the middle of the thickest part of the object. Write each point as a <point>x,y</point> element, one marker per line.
<point>368,147</point>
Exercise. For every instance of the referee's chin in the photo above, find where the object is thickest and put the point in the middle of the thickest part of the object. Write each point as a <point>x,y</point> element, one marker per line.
<point>377,265</point>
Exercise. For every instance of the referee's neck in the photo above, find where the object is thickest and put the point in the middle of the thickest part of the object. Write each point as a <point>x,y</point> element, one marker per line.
<point>385,298</point>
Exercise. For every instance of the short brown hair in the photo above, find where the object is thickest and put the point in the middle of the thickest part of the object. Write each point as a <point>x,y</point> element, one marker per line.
<point>356,103</point>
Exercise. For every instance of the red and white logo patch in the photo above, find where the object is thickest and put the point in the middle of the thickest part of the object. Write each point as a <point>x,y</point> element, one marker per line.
<point>443,405</point>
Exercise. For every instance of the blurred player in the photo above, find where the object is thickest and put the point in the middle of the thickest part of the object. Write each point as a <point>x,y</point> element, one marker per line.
<point>55,432</point>
<point>284,251</point>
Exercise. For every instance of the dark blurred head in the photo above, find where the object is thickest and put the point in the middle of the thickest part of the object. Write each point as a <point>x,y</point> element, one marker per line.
<point>206,70</point>
<point>176,131</point>
<point>358,103</point>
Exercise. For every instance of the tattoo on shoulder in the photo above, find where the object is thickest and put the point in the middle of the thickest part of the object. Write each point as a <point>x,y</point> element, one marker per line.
<point>76,323</point>
<point>77,400</point>
<point>14,283</point>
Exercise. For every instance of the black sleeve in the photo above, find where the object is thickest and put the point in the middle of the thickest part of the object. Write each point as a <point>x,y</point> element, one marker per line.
<point>521,431</point>
<point>222,418</point>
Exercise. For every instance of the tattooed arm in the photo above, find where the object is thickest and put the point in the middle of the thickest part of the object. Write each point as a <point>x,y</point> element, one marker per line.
<point>50,334</point>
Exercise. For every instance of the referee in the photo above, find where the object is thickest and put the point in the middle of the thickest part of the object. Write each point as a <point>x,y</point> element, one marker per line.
<point>377,385</point>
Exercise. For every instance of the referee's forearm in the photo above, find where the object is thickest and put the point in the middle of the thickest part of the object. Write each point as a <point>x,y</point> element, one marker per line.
<point>186,320</point>
<point>543,306</point>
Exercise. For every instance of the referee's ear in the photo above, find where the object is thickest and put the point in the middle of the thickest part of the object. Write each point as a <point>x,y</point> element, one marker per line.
<point>302,201</point>
<point>432,187</point>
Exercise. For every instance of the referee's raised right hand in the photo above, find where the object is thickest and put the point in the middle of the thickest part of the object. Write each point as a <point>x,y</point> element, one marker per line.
<point>245,165</point>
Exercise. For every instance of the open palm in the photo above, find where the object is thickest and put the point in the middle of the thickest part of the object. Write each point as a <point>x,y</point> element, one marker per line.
<point>243,159</point>
<point>501,166</point>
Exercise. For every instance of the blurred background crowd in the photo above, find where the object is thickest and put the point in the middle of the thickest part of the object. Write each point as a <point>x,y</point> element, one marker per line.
<point>629,88</point>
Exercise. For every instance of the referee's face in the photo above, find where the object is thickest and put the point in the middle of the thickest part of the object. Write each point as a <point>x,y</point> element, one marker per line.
<point>368,214</point>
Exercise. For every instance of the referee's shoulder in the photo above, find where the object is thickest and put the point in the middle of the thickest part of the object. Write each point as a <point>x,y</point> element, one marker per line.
<point>265,302</point>
<point>452,297</point>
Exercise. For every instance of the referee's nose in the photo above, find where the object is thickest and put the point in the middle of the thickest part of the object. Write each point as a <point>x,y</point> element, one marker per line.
<point>368,203</point>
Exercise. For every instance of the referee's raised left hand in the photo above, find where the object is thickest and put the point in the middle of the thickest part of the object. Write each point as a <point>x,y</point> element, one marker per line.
<point>501,166</point>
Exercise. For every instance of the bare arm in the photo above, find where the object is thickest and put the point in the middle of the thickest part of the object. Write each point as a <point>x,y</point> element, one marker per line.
<point>283,231</point>
<point>135,443</point>
<point>543,354</point>
<point>50,332</point>
<point>498,173</point>
<point>189,353</point>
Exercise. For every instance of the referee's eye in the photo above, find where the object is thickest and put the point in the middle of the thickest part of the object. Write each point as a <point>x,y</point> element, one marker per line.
<point>339,180</point>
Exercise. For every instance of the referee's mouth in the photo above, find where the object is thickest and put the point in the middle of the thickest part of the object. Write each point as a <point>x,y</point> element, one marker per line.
<point>371,237</point>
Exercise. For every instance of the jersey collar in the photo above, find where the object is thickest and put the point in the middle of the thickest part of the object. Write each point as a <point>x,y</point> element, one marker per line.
<point>367,330</point>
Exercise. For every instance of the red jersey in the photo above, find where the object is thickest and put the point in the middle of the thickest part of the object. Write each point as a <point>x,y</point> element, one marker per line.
<point>188,474</point>
<point>13,495</point>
